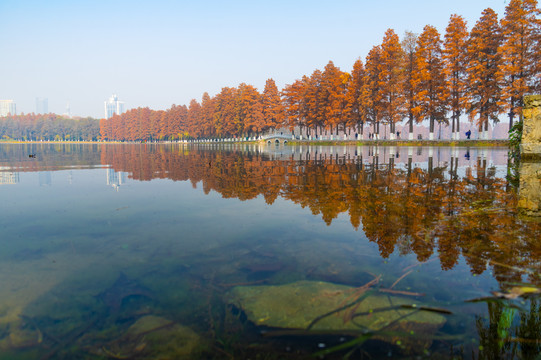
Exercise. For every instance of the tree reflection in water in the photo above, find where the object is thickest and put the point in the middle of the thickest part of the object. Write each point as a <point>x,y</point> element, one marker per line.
<point>468,211</point>
<point>455,207</point>
<point>455,211</point>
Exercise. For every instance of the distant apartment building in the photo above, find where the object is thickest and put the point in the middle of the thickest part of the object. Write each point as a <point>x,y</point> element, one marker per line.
<point>42,105</point>
<point>113,106</point>
<point>7,107</point>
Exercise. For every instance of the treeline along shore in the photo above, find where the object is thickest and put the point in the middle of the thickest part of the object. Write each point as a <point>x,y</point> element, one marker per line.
<point>420,78</point>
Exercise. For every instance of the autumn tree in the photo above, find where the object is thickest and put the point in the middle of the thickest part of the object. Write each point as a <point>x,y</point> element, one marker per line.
<point>295,103</point>
<point>249,112</point>
<point>484,79</point>
<point>356,97</point>
<point>105,129</point>
<point>193,120</point>
<point>176,121</point>
<point>143,128</point>
<point>207,115</point>
<point>332,98</point>
<point>374,93</point>
<point>156,132</point>
<point>455,60</point>
<point>226,112</point>
<point>409,47</point>
<point>429,80</point>
<point>520,32</point>
<point>315,102</point>
<point>273,109</point>
<point>391,81</point>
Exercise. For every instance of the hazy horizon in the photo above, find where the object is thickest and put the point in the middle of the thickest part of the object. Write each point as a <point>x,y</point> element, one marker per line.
<point>163,53</point>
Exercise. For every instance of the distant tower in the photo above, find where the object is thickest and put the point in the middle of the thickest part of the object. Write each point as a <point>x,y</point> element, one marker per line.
<point>42,105</point>
<point>68,110</point>
<point>7,107</point>
<point>113,106</point>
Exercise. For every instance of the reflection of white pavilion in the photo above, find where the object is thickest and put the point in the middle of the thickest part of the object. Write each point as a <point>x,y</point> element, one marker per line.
<point>115,179</point>
<point>9,178</point>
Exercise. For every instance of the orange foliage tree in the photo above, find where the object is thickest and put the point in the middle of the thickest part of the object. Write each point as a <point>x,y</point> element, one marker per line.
<point>207,115</point>
<point>484,77</point>
<point>193,121</point>
<point>356,97</point>
<point>455,59</point>
<point>519,51</point>
<point>332,97</point>
<point>429,80</point>
<point>409,47</point>
<point>391,81</point>
<point>374,99</point>
<point>225,113</point>
<point>315,102</point>
<point>273,108</point>
<point>295,104</point>
<point>249,110</point>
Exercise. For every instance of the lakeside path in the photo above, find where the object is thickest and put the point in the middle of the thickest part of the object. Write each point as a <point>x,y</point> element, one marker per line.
<point>487,143</point>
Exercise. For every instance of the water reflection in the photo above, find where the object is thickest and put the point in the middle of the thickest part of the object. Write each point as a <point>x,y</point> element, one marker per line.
<point>115,178</point>
<point>425,201</point>
<point>45,178</point>
<point>421,209</point>
<point>8,177</point>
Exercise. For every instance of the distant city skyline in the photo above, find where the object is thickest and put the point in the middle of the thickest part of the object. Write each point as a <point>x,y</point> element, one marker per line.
<point>8,107</point>
<point>113,106</point>
<point>161,53</point>
<point>42,105</point>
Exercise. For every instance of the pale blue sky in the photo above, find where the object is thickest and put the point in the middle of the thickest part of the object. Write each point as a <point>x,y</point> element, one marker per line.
<point>158,53</point>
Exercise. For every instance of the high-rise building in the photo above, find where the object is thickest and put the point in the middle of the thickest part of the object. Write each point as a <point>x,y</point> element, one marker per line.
<point>113,106</point>
<point>42,105</point>
<point>7,107</point>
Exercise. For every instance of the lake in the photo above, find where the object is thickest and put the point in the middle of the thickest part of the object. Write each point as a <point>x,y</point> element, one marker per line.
<point>221,251</point>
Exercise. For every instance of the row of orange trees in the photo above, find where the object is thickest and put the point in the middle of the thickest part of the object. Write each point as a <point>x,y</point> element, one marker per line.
<point>483,73</point>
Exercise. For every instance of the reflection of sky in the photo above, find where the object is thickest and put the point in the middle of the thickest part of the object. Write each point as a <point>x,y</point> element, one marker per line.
<point>172,217</point>
<point>45,178</point>
<point>161,226</point>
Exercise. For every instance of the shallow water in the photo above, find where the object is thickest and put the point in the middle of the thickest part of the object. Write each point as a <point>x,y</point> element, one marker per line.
<point>95,238</point>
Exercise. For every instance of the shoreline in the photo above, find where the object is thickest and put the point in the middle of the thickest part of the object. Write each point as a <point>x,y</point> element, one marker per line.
<point>487,143</point>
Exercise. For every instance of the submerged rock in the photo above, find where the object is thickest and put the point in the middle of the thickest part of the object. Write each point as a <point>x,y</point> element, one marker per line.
<point>123,288</point>
<point>21,336</point>
<point>296,305</point>
<point>154,337</point>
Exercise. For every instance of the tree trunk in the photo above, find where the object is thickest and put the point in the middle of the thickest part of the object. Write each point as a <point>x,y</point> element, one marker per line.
<point>453,126</point>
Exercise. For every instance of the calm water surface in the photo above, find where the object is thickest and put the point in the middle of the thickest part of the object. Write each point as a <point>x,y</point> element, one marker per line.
<point>221,252</point>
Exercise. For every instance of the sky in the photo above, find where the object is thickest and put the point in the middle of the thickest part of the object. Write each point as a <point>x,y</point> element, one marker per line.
<point>158,53</point>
